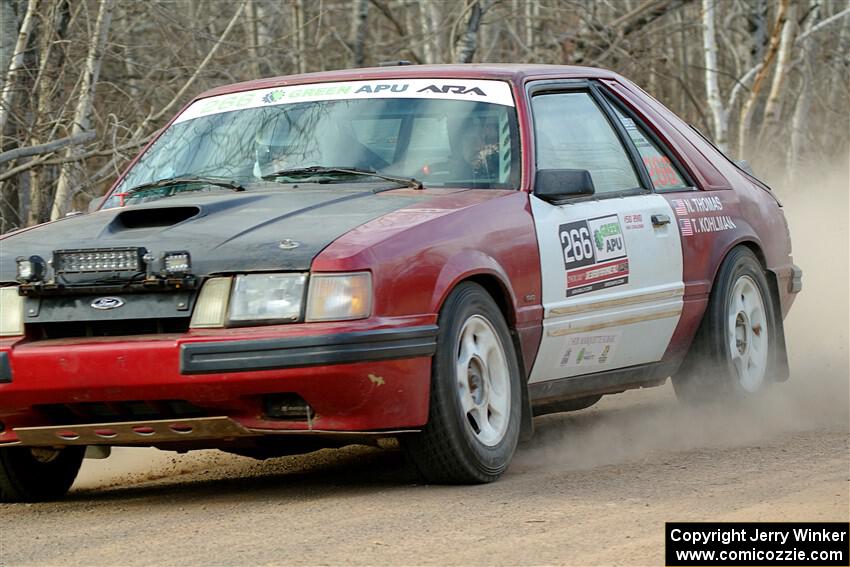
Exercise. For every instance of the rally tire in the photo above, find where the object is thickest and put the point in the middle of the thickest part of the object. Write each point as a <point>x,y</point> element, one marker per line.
<point>474,416</point>
<point>36,474</point>
<point>735,352</point>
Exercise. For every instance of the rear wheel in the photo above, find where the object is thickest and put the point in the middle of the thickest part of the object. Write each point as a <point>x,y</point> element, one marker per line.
<point>735,350</point>
<point>33,474</point>
<point>474,415</point>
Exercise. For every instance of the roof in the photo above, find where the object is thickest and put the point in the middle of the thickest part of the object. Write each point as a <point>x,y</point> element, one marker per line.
<point>514,72</point>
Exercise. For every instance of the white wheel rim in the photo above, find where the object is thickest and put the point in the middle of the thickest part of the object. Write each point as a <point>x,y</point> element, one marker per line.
<point>748,334</point>
<point>483,381</point>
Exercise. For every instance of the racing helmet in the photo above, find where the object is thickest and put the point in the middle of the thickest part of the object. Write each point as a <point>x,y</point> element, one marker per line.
<point>271,143</point>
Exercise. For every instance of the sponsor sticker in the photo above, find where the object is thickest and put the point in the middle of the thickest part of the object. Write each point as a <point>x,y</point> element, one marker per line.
<point>661,171</point>
<point>699,215</point>
<point>587,349</point>
<point>496,92</point>
<point>594,254</point>
<point>633,221</point>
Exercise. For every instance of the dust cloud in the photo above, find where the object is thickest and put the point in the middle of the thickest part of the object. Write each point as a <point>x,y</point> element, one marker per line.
<point>644,424</point>
<point>129,465</point>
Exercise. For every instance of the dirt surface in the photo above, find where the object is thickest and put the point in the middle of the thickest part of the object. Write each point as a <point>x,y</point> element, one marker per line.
<point>593,488</point>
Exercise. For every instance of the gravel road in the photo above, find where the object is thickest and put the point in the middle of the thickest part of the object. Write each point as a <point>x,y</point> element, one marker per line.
<point>594,487</point>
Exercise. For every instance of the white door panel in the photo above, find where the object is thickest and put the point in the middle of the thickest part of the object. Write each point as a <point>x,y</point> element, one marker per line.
<point>612,284</point>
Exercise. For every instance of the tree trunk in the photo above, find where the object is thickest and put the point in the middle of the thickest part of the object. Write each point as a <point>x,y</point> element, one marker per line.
<point>7,95</point>
<point>82,114</point>
<point>758,31</point>
<point>300,36</point>
<point>773,108</point>
<point>47,89</point>
<point>712,89</point>
<point>252,39</point>
<point>359,27</point>
<point>745,118</point>
<point>8,30</point>
<point>529,9</point>
<point>433,16</point>
<point>794,156</point>
<point>469,40</point>
<point>430,48</point>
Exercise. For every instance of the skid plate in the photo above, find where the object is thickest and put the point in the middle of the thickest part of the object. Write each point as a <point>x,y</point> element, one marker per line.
<point>132,432</point>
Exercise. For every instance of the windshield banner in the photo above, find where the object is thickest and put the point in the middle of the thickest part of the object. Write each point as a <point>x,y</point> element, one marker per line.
<point>495,92</point>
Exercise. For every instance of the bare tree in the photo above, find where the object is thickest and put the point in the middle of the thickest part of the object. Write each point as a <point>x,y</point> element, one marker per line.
<point>359,27</point>
<point>772,71</point>
<point>16,64</point>
<point>712,90</point>
<point>744,121</point>
<point>82,115</point>
<point>469,40</point>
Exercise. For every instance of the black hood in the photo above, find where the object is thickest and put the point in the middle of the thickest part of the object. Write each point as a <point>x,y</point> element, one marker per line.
<point>223,232</point>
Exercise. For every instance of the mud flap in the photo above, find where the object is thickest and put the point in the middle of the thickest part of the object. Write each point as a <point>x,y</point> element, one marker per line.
<point>526,425</point>
<point>782,368</point>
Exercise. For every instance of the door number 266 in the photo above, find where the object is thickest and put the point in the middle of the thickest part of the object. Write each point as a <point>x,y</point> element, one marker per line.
<point>577,245</point>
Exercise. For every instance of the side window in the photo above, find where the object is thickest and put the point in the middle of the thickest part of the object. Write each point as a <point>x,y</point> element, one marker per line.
<point>571,132</point>
<point>661,170</point>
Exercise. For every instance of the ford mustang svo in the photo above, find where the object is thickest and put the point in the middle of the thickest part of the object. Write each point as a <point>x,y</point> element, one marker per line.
<point>430,253</point>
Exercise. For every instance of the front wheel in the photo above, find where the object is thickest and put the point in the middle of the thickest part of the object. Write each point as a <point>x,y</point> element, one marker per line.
<point>474,415</point>
<point>735,350</point>
<point>34,474</point>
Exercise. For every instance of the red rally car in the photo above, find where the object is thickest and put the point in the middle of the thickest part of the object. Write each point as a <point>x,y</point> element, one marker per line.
<point>430,253</point>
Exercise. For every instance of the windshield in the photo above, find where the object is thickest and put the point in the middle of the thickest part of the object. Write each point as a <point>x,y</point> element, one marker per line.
<point>444,139</point>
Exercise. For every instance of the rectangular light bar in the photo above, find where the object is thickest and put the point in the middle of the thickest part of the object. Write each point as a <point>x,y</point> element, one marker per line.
<point>98,260</point>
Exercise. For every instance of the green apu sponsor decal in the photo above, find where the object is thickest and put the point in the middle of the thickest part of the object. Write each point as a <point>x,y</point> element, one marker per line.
<point>604,231</point>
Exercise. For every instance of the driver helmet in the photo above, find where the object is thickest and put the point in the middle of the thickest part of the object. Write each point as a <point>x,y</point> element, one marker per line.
<point>271,143</point>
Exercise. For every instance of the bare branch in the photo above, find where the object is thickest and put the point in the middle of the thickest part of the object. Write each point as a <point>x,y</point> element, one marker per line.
<point>48,147</point>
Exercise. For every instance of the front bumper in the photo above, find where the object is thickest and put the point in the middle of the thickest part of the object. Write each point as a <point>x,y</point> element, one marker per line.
<point>361,377</point>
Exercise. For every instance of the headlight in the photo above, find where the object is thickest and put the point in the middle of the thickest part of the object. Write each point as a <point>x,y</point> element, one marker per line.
<point>11,312</point>
<point>278,298</point>
<point>338,297</point>
<point>267,297</point>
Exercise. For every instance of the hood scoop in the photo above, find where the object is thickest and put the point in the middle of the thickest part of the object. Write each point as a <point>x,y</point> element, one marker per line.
<point>156,217</point>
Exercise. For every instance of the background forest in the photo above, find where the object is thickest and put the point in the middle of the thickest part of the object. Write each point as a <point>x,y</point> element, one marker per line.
<point>84,84</point>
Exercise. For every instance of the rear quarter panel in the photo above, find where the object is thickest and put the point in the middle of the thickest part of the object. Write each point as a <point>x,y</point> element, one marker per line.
<point>757,215</point>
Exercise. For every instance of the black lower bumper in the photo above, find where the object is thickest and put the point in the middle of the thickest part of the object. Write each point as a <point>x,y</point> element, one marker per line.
<point>340,348</point>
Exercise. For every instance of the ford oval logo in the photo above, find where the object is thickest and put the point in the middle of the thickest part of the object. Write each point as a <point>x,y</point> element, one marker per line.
<point>107,303</point>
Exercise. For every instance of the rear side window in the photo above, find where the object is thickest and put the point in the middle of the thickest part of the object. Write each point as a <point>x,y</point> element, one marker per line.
<point>661,170</point>
<point>571,132</point>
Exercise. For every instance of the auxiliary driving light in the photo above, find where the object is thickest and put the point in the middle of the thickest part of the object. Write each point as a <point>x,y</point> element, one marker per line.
<point>30,269</point>
<point>98,260</point>
<point>177,263</point>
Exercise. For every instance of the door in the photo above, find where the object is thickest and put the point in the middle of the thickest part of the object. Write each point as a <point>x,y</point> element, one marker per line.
<point>611,264</point>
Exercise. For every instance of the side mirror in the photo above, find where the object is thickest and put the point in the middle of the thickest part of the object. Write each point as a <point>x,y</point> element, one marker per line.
<point>559,184</point>
<point>95,203</point>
